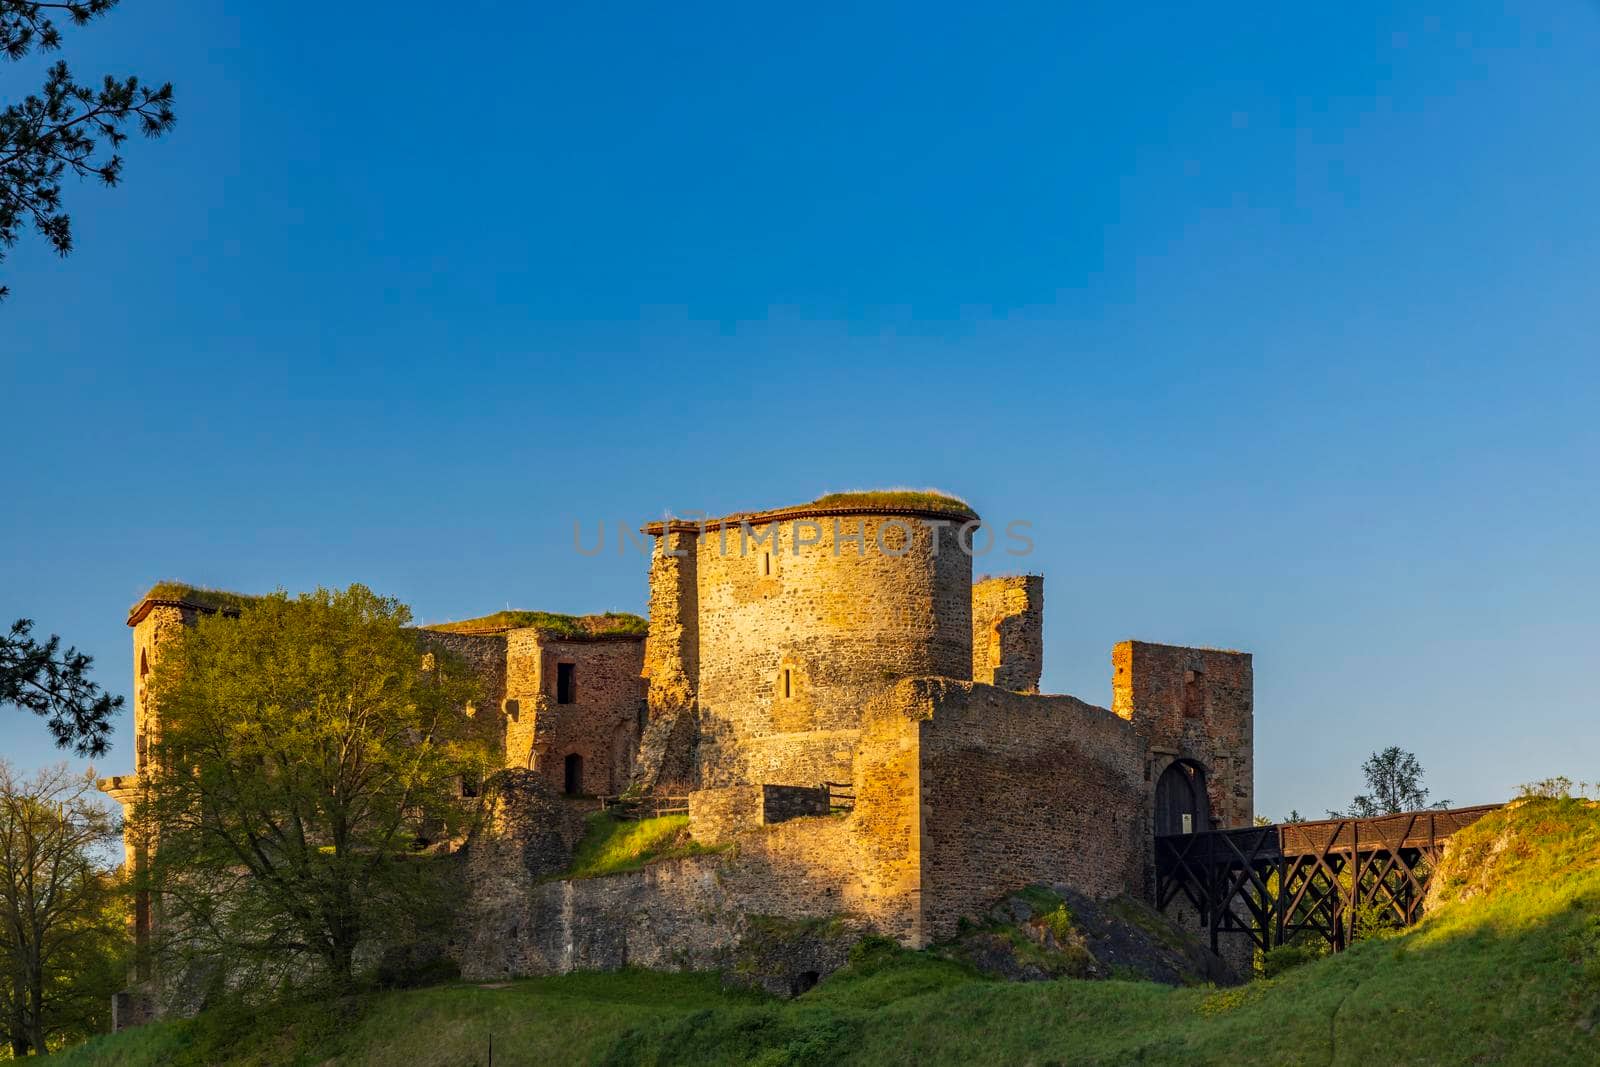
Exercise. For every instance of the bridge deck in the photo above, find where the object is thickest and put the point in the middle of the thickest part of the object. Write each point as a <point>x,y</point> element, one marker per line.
<point>1275,882</point>
<point>1415,829</point>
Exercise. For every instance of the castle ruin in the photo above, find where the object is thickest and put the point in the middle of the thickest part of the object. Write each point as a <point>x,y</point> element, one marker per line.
<point>851,717</point>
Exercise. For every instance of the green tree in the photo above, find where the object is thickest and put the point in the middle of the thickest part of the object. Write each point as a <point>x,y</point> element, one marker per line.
<point>1394,781</point>
<point>55,685</point>
<point>67,127</point>
<point>307,751</point>
<point>62,934</point>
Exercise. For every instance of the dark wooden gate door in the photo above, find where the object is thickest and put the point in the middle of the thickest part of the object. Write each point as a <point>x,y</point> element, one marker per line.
<point>1182,806</point>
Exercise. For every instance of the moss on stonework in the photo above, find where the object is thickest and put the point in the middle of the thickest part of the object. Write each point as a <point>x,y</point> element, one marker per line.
<point>925,499</point>
<point>610,624</point>
<point>220,599</point>
<point>1041,899</point>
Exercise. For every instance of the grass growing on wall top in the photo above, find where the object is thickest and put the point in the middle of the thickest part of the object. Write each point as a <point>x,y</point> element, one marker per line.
<point>927,499</point>
<point>222,599</point>
<point>610,624</point>
<point>614,845</point>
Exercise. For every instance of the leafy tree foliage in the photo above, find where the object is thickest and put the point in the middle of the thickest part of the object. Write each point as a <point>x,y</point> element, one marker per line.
<point>62,931</point>
<point>67,127</point>
<point>307,752</point>
<point>1394,781</point>
<point>55,685</point>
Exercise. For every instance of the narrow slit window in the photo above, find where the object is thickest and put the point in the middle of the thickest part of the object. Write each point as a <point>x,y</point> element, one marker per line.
<point>788,684</point>
<point>1194,695</point>
<point>564,683</point>
<point>766,564</point>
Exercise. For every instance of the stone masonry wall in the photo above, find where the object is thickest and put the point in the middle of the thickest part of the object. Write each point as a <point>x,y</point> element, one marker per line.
<point>666,758</point>
<point>791,645</point>
<point>679,914</point>
<point>600,726</point>
<point>671,652</point>
<point>1017,789</point>
<point>163,623</point>
<point>1008,632</point>
<point>484,655</point>
<point>717,816</point>
<point>1197,704</point>
<point>691,912</point>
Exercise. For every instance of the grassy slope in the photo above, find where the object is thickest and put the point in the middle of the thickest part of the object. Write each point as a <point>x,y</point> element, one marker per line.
<point>612,845</point>
<point>1507,972</point>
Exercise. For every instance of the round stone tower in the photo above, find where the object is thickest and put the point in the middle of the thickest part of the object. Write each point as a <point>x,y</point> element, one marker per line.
<point>801,614</point>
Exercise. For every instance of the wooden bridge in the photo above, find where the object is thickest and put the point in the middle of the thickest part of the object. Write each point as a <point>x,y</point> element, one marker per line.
<point>1276,882</point>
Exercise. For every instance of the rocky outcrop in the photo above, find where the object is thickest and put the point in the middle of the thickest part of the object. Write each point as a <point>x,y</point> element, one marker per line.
<point>1050,932</point>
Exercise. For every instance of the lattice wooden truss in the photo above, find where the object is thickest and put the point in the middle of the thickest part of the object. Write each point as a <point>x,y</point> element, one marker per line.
<point>1276,882</point>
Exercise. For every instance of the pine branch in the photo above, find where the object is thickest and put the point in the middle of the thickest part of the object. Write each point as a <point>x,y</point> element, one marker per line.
<point>67,127</point>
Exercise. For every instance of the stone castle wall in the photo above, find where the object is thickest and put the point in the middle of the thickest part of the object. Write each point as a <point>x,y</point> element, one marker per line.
<point>1012,789</point>
<point>686,913</point>
<point>964,792</point>
<point>790,645</point>
<point>601,724</point>
<point>768,672</point>
<point>484,655</point>
<point>1195,704</point>
<point>161,624</point>
<point>1008,632</point>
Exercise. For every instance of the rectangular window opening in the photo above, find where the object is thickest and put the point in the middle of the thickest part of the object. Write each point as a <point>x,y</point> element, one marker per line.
<point>564,683</point>
<point>766,563</point>
<point>788,687</point>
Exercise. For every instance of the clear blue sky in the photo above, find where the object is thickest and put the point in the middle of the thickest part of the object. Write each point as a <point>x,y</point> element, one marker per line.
<point>1278,323</point>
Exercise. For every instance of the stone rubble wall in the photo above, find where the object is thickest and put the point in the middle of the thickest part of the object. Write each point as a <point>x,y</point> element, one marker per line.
<point>1196,704</point>
<point>1008,632</point>
<point>1016,789</point>
<point>601,725</point>
<point>717,816</point>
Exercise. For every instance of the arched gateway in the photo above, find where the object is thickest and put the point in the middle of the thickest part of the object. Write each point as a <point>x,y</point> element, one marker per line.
<point>1182,805</point>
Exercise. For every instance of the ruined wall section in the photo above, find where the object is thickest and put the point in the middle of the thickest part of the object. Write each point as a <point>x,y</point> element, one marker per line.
<point>691,913</point>
<point>483,656</point>
<point>525,833</point>
<point>1018,789</point>
<point>793,643</point>
<point>160,625</point>
<point>1008,632</point>
<point>1196,704</point>
<point>671,652</point>
<point>601,723</point>
<point>666,758</point>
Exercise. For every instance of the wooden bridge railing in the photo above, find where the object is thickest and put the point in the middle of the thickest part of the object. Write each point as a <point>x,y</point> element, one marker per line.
<point>1276,882</point>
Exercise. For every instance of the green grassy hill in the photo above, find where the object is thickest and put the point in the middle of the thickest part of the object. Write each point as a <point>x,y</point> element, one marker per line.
<point>1505,970</point>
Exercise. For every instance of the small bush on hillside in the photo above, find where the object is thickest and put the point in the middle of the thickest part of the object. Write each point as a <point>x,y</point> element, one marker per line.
<point>1277,960</point>
<point>1558,788</point>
